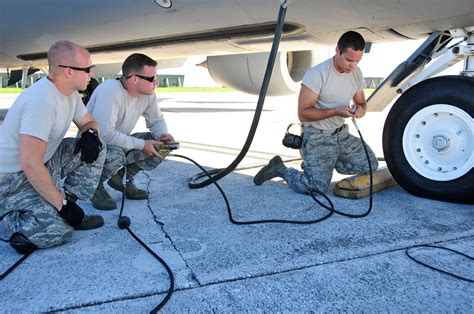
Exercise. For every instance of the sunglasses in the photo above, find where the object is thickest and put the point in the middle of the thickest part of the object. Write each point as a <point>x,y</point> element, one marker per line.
<point>146,78</point>
<point>87,70</point>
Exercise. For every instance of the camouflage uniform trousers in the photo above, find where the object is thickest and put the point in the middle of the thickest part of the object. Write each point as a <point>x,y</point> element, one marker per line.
<point>26,212</point>
<point>324,152</point>
<point>116,155</point>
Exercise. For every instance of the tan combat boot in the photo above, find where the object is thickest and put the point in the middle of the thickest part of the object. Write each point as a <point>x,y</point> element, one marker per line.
<point>102,199</point>
<point>131,191</point>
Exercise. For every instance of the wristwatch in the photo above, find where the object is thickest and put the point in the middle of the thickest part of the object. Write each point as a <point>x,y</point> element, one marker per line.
<point>93,131</point>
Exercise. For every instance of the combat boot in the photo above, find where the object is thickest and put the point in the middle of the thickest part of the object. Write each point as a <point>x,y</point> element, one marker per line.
<point>131,191</point>
<point>115,182</point>
<point>102,199</point>
<point>270,171</point>
<point>90,222</point>
<point>134,193</point>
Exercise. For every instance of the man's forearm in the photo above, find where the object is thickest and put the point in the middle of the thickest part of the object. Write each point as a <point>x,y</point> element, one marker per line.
<point>362,106</point>
<point>41,180</point>
<point>313,114</point>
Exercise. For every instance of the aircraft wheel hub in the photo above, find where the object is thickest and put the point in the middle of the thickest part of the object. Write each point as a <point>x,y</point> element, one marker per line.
<point>438,142</point>
<point>441,142</point>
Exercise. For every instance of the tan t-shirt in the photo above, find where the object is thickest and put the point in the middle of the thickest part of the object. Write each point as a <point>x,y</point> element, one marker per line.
<point>117,114</point>
<point>41,111</point>
<point>334,90</point>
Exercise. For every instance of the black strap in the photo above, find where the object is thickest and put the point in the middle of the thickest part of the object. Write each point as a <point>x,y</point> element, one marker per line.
<point>17,263</point>
<point>291,124</point>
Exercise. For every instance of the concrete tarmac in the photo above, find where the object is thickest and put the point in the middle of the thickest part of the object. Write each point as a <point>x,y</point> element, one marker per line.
<point>340,264</point>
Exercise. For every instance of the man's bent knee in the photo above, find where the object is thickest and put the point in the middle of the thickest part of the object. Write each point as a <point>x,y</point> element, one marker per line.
<point>315,186</point>
<point>52,235</point>
<point>43,228</point>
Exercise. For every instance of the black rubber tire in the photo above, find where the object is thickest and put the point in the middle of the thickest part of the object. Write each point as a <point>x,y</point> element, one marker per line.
<point>457,91</point>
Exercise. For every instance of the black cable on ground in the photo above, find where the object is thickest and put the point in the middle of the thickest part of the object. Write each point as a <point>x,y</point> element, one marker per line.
<point>407,252</point>
<point>229,210</point>
<point>220,173</point>
<point>331,211</point>
<point>371,182</point>
<point>17,263</point>
<point>123,222</point>
<point>330,207</point>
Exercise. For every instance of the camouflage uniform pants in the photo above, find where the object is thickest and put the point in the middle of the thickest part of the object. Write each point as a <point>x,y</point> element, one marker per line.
<point>116,158</point>
<point>324,152</point>
<point>26,212</point>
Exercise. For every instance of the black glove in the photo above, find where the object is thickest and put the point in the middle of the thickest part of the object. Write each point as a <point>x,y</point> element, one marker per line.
<point>72,213</point>
<point>89,145</point>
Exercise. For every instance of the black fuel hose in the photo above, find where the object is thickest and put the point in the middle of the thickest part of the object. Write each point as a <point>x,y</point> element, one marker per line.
<point>220,173</point>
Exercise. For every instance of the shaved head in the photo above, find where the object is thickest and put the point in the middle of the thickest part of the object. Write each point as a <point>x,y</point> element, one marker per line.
<point>69,66</point>
<point>63,52</point>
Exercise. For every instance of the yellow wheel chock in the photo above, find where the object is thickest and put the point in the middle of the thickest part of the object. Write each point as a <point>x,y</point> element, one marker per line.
<point>358,186</point>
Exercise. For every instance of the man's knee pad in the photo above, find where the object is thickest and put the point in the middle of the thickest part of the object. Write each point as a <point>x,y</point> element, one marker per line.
<point>21,244</point>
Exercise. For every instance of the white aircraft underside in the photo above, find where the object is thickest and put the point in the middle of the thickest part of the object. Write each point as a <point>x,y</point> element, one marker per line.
<point>111,29</point>
<point>236,35</point>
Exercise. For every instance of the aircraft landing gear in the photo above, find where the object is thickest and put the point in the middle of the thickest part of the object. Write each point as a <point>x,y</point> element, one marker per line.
<point>428,139</point>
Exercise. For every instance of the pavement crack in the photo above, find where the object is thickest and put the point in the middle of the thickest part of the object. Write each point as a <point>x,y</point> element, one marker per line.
<point>97,303</point>
<point>262,275</point>
<point>167,236</point>
<point>217,282</point>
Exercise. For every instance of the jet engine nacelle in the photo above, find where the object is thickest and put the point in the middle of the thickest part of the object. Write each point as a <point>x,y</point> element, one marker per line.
<point>245,72</point>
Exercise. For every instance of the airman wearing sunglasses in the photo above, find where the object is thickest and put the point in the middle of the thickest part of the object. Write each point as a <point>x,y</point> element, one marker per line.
<point>117,105</point>
<point>42,173</point>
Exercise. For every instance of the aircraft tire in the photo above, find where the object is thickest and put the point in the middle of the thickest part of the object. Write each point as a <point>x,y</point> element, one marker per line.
<point>428,139</point>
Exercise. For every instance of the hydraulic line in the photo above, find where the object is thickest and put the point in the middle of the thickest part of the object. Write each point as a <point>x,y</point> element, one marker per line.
<point>329,207</point>
<point>371,179</point>
<point>220,173</point>
<point>123,222</point>
<point>16,264</point>
<point>429,246</point>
